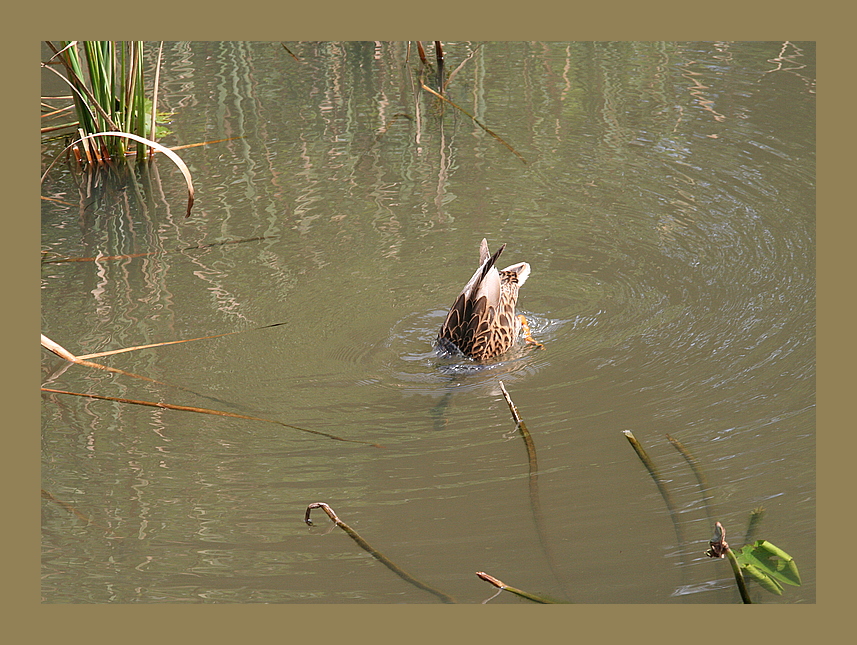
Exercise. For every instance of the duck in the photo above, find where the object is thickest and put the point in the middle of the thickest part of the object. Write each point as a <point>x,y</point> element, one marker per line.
<point>482,324</point>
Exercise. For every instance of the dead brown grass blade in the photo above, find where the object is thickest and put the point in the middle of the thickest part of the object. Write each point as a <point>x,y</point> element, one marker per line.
<point>62,352</point>
<point>476,121</point>
<point>57,111</point>
<point>219,413</point>
<point>518,592</point>
<point>422,53</point>
<point>59,201</point>
<point>171,342</point>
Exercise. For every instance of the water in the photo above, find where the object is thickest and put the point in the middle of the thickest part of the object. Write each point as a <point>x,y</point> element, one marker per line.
<point>667,208</point>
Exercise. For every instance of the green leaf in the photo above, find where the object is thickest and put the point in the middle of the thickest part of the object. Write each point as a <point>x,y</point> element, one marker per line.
<point>763,560</point>
<point>764,580</point>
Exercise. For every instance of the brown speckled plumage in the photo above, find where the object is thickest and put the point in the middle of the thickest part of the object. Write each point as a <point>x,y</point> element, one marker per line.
<point>482,323</point>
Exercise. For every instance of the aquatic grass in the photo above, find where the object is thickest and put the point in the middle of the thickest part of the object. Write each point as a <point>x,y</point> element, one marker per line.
<point>108,88</point>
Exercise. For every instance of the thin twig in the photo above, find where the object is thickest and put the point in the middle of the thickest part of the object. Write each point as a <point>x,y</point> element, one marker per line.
<point>289,52</point>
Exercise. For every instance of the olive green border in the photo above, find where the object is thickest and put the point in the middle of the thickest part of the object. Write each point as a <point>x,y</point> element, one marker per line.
<point>498,20</point>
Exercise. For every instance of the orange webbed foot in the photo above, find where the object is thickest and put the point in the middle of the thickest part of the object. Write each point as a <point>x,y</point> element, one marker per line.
<point>528,336</point>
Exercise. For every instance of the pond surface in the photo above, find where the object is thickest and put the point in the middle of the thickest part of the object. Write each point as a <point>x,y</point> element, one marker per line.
<point>664,196</point>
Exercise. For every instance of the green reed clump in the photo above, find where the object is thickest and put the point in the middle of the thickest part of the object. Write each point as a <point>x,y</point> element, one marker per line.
<point>107,82</point>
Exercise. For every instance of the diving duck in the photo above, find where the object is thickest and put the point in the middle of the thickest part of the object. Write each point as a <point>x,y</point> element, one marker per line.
<point>482,323</point>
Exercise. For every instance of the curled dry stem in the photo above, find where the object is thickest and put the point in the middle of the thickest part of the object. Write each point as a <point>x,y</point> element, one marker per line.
<point>719,548</point>
<point>354,535</point>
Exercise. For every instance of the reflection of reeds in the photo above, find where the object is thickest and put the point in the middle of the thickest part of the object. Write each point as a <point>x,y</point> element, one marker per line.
<point>128,256</point>
<point>659,482</point>
<point>121,136</point>
<point>442,85</point>
<point>704,488</point>
<point>72,509</point>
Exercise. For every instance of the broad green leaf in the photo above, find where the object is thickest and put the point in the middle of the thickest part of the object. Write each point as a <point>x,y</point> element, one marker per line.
<point>786,566</point>
<point>771,560</point>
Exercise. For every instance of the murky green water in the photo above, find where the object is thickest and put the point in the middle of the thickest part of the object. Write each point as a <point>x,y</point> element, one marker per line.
<point>667,207</point>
